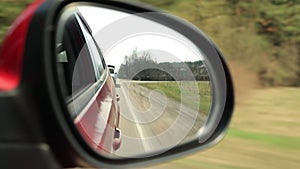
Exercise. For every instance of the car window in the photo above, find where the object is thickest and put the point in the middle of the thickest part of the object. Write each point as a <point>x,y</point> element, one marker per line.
<point>74,58</point>
<point>81,66</point>
<point>96,55</point>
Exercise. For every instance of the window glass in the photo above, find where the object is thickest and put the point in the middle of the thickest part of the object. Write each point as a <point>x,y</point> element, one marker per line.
<point>75,58</point>
<point>96,54</point>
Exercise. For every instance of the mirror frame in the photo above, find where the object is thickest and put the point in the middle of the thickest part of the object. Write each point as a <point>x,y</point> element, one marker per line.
<point>70,149</point>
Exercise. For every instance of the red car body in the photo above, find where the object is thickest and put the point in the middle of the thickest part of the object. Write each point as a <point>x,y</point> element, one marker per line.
<point>97,124</point>
<point>90,89</point>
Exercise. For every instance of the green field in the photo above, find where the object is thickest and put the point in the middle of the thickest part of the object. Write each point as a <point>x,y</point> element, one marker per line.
<point>175,90</point>
<point>264,133</point>
<point>270,140</point>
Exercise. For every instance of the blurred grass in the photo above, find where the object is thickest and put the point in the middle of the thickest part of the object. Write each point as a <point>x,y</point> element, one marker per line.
<point>264,133</point>
<point>9,10</point>
<point>274,141</point>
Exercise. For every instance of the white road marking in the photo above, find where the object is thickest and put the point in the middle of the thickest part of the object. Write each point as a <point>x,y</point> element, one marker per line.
<point>146,147</point>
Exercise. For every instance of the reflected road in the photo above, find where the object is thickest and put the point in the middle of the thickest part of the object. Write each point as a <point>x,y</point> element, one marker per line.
<point>151,122</point>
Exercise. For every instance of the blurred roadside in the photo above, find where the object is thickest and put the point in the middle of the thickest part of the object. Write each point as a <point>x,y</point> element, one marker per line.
<point>9,10</point>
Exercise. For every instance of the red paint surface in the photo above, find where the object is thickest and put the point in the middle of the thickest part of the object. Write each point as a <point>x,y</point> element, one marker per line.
<point>12,50</point>
<point>97,131</point>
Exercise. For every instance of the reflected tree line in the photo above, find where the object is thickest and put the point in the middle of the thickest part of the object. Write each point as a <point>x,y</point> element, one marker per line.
<point>142,66</point>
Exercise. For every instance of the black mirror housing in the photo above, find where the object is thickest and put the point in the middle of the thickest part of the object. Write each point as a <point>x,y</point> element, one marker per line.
<point>35,120</point>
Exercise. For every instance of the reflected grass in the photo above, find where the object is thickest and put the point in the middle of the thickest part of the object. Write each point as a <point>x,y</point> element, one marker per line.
<point>174,91</point>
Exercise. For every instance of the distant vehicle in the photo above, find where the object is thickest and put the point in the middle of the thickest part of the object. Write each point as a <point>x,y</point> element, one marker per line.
<point>113,74</point>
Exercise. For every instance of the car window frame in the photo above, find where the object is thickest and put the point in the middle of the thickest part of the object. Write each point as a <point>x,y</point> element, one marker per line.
<point>82,100</point>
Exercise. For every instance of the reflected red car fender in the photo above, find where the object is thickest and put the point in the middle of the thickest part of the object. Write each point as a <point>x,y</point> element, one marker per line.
<point>97,125</point>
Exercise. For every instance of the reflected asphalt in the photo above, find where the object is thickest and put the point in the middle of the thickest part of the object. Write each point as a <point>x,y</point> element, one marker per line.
<point>133,143</point>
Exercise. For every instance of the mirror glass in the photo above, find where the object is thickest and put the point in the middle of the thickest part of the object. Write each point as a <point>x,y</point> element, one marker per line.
<point>133,87</point>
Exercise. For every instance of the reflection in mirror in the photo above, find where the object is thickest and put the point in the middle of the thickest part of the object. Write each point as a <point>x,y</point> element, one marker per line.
<point>155,95</point>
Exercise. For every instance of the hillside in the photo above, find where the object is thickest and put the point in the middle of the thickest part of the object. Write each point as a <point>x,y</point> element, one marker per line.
<point>9,10</point>
<point>260,37</point>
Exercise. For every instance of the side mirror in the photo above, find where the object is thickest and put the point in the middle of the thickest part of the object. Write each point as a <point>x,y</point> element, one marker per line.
<point>176,89</point>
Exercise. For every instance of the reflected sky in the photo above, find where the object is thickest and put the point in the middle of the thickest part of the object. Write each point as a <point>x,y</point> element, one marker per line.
<point>178,46</point>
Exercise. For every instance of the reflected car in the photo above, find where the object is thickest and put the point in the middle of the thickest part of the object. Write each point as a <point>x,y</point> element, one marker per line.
<point>88,87</point>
